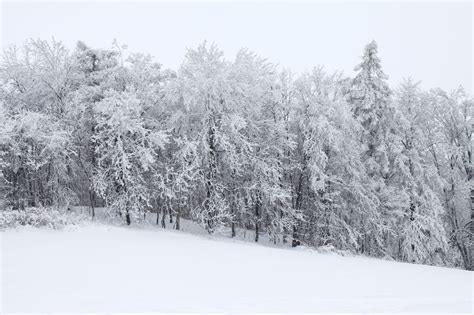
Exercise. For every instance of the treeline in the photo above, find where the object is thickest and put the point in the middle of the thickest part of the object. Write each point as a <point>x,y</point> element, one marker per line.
<point>321,159</point>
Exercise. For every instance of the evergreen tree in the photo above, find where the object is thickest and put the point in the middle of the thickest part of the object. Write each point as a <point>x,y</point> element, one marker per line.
<point>370,98</point>
<point>371,105</point>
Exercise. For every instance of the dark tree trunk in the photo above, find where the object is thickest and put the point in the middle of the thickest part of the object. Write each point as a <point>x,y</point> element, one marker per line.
<point>127,217</point>
<point>298,205</point>
<point>232,218</point>
<point>295,242</point>
<point>177,222</point>
<point>284,240</point>
<point>257,220</point>
<point>163,219</point>
<point>212,168</point>
<point>92,202</point>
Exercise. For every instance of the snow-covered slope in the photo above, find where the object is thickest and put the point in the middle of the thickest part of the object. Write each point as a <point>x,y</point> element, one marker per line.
<point>100,268</point>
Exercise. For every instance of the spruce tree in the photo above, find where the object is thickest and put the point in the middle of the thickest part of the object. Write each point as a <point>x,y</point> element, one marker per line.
<point>370,97</point>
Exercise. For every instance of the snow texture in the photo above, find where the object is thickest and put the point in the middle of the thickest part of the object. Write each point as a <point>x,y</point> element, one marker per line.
<point>100,268</point>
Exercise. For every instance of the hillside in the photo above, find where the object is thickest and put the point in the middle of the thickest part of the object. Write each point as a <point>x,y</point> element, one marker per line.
<point>98,268</point>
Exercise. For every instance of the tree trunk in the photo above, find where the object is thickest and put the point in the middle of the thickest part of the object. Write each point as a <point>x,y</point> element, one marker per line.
<point>177,222</point>
<point>284,229</point>
<point>257,219</point>
<point>163,217</point>
<point>295,242</point>
<point>471,230</point>
<point>92,202</point>
<point>212,169</point>
<point>298,205</point>
<point>232,218</point>
<point>127,217</point>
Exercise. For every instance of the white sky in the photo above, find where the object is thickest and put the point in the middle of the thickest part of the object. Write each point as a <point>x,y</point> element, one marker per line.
<point>429,41</point>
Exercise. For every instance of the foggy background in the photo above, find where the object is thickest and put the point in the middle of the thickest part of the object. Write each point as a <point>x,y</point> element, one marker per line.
<point>429,41</point>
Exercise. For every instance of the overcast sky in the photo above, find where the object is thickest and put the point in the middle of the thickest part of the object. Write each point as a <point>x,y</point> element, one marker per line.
<point>429,41</point>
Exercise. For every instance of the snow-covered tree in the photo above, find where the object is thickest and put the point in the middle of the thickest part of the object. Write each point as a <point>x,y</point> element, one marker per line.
<point>39,162</point>
<point>422,237</point>
<point>320,159</point>
<point>449,130</point>
<point>370,98</point>
<point>99,71</point>
<point>337,200</point>
<point>36,81</point>
<point>262,142</point>
<point>203,88</point>
<point>126,150</point>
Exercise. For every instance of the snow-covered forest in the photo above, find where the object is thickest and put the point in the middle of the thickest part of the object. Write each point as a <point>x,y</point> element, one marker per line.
<point>339,159</point>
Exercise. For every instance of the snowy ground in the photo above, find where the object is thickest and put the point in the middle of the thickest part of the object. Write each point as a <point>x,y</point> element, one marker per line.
<point>100,268</point>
